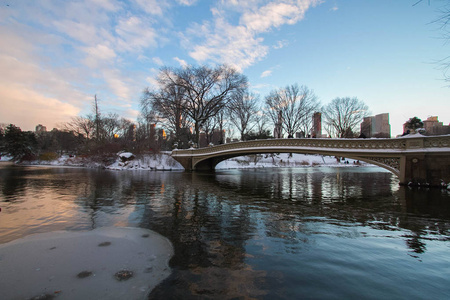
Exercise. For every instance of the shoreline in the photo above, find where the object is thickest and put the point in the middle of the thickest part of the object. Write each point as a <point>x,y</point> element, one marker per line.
<point>164,162</point>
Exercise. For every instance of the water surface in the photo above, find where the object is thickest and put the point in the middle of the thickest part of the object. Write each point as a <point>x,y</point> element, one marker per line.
<point>306,233</point>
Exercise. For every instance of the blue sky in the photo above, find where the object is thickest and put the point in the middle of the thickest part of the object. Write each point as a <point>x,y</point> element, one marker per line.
<point>55,55</point>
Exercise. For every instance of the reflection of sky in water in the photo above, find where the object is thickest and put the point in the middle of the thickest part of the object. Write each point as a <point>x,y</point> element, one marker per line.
<point>262,233</point>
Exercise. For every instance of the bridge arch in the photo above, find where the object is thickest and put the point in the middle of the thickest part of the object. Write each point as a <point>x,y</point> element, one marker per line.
<point>209,163</point>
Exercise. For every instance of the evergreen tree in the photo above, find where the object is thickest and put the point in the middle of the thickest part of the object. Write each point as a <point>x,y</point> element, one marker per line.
<point>19,144</point>
<point>414,123</point>
<point>2,140</point>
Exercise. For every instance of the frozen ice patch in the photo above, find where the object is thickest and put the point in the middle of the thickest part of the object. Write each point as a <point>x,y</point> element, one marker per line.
<point>105,263</point>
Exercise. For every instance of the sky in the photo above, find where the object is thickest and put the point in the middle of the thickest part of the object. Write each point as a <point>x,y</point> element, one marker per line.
<point>56,55</point>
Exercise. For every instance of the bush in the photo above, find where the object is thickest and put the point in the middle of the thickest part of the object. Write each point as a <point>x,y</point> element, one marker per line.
<point>303,163</point>
<point>48,156</point>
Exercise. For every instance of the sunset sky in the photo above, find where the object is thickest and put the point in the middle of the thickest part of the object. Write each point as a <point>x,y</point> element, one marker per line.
<point>56,55</point>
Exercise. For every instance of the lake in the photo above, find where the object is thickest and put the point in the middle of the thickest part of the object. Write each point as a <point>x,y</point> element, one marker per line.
<point>268,233</point>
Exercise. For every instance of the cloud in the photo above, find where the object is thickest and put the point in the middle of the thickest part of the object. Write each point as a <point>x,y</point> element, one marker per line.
<point>281,44</point>
<point>266,73</point>
<point>82,32</point>
<point>24,73</point>
<point>182,62</point>
<point>109,5</point>
<point>153,7</point>
<point>134,34</point>
<point>68,51</point>
<point>117,84</point>
<point>259,88</point>
<point>63,52</point>
<point>98,54</point>
<point>152,81</point>
<point>131,114</point>
<point>274,15</point>
<point>235,45</point>
<point>27,108</point>
<point>158,61</point>
<point>187,2</point>
<point>241,44</point>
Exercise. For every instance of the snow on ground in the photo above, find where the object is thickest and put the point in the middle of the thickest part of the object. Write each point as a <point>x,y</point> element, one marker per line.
<point>5,158</point>
<point>285,160</point>
<point>124,161</point>
<point>66,160</point>
<point>164,162</point>
<point>126,155</point>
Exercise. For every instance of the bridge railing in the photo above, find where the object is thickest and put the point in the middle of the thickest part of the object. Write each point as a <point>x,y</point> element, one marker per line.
<point>395,144</point>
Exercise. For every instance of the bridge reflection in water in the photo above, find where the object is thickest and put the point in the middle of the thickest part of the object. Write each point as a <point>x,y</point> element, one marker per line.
<point>415,159</point>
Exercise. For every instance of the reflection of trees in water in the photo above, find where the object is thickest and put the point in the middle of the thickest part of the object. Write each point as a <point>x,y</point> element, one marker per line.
<point>287,197</point>
<point>12,183</point>
<point>196,209</point>
<point>110,192</point>
<point>208,233</point>
<point>212,216</point>
<point>415,243</point>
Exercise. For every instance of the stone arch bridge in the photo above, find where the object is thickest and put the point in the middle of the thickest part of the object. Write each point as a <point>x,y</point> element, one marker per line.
<point>414,159</point>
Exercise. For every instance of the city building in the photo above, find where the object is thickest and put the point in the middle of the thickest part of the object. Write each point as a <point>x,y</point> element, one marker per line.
<point>41,128</point>
<point>278,130</point>
<point>366,127</point>
<point>231,140</point>
<point>316,131</point>
<point>432,126</point>
<point>131,134</point>
<point>376,126</point>
<point>217,137</point>
<point>300,135</point>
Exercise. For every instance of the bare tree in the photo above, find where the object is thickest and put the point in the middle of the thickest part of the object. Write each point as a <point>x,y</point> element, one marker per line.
<point>110,126</point>
<point>443,21</point>
<point>221,122</point>
<point>295,105</point>
<point>81,125</point>
<point>273,108</point>
<point>214,127</point>
<point>205,91</point>
<point>208,128</point>
<point>89,126</point>
<point>261,124</point>
<point>343,115</point>
<point>166,104</point>
<point>123,126</point>
<point>243,112</point>
<point>97,118</point>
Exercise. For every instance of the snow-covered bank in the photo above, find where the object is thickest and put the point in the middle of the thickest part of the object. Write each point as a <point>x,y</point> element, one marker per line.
<point>66,160</point>
<point>284,160</point>
<point>164,162</point>
<point>5,158</point>
<point>123,161</point>
<point>158,162</point>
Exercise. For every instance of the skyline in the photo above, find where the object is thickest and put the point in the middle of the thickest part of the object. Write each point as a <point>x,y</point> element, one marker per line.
<point>59,55</point>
